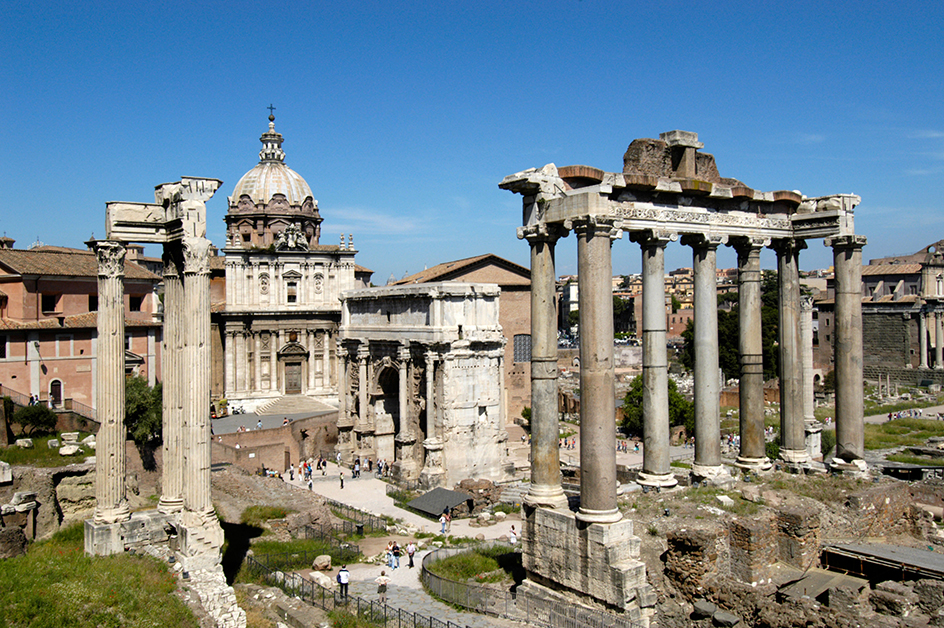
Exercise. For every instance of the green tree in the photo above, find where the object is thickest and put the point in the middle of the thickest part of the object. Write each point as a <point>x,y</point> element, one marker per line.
<point>35,419</point>
<point>681,410</point>
<point>143,410</point>
<point>573,318</point>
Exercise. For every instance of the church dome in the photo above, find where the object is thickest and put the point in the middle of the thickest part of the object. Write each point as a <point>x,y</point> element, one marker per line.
<point>271,176</point>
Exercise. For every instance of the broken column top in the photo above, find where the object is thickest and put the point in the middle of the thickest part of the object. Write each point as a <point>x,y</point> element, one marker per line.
<point>685,139</point>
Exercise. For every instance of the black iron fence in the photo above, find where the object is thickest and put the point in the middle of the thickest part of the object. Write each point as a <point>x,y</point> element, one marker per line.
<point>500,603</point>
<point>338,549</point>
<point>353,516</point>
<point>330,599</point>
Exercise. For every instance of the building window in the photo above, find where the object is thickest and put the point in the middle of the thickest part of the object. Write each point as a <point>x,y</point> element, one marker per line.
<point>93,302</point>
<point>134,303</point>
<point>292,292</point>
<point>522,348</point>
<point>127,342</point>
<point>3,347</point>
<point>50,302</point>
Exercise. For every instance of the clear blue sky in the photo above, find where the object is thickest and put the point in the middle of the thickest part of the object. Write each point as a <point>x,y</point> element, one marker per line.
<point>404,117</point>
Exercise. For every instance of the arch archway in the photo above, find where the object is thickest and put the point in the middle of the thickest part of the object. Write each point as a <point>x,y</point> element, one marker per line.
<point>387,413</point>
<point>55,393</point>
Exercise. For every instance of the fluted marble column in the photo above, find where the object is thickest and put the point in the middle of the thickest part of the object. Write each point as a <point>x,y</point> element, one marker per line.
<point>433,471</point>
<point>111,505</point>
<point>229,357</point>
<point>326,360</point>
<point>806,357</point>
<point>172,476</point>
<point>655,374</point>
<point>545,487</point>
<point>752,454</point>
<point>257,360</point>
<point>363,352</point>
<point>847,261</point>
<point>707,463</point>
<point>403,355</point>
<point>922,339</point>
<point>597,385</point>
<point>274,361</point>
<point>197,431</point>
<point>792,429</point>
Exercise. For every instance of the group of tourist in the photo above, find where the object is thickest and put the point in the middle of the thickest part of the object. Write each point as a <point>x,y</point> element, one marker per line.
<point>568,443</point>
<point>623,447</point>
<point>914,413</point>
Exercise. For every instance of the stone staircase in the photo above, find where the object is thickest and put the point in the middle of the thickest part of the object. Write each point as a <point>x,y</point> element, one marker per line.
<point>294,404</point>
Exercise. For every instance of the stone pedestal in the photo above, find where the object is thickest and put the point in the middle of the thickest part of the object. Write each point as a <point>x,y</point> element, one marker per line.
<point>597,563</point>
<point>433,474</point>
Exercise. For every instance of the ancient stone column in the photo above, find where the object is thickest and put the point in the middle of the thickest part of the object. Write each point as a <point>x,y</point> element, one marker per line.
<point>403,355</point>
<point>655,375</point>
<point>326,360</point>
<point>310,337</point>
<point>752,454</point>
<point>257,360</point>
<point>707,463</point>
<point>111,506</point>
<point>229,358</point>
<point>922,339</point>
<point>433,470</point>
<point>273,361</point>
<point>430,395</point>
<point>172,476</point>
<point>806,357</point>
<point>792,429</point>
<point>197,380</point>
<point>363,352</point>
<point>938,341</point>
<point>597,385</point>
<point>545,487</point>
<point>847,348</point>
<point>343,408</point>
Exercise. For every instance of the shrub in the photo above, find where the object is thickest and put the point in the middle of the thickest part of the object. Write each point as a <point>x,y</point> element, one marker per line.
<point>827,441</point>
<point>772,448</point>
<point>35,419</point>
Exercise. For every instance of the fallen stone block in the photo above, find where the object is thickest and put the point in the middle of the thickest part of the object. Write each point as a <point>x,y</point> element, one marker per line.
<point>751,492</point>
<point>321,563</point>
<point>322,579</point>
<point>6,473</point>
<point>89,439</point>
<point>726,501</point>
<point>500,516</point>
<point>24,443</point>
<point>22,497</point>
<point>722,618</point>
<point>703,609</point>
<point>70,450</point>
<point>26,506</point>
<point>898,588</point>
<point>52,443</point>
<point>887,603</point>
<point>70,437</point>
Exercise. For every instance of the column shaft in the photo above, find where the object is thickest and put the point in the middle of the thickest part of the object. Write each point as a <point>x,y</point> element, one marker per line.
<point>229,358</point>
<point>707,386</point>
<point>806,357</point>
<point>939,341</point>
<point>545,488</point>
<point>363,352</point>
<point>274,338</point>
<point>655,375</point>
<point>430,396</point>
<point>847,260</point>
<point>403,390</point>
<point>257,360</point>
<point>922,341</point>
<point>172,476</point>
<point>792,432</point>
<point>750,345</point>
<point>197,431</point>
<point>111,505</point>
<point>597,384</point>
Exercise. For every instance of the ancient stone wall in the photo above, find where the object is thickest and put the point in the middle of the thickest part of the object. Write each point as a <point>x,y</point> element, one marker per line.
<point>798,536</point>
<point>691,556</point>
<point>888,338</point>
<point>903,376</point>
<point>753,548</point>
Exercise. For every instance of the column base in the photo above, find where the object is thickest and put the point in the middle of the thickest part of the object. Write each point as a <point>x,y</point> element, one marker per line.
<point>656,480</point>
<point>714,475</point>
<point>106,516</point>
<point>587,515</point>
<point>548,496</point>
<point>857,468</point>
<point>753,464</point>
<point>169,505</point>
<point>795,456</point>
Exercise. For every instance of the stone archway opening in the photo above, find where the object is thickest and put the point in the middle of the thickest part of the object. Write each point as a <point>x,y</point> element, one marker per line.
<point>55,393</point>
<point>387,414</point>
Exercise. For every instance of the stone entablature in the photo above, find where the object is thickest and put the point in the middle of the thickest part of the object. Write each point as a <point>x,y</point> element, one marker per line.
<point>421,382</point>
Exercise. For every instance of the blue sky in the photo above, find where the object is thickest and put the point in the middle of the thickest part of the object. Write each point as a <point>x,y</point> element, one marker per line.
<point>404,117</point>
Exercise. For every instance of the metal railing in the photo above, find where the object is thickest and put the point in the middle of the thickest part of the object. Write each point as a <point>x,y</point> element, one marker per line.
<point>81,409</point>
<point>372,523</point>
<point>325,533</point>
<point>330,599</point>
<point>499,603</point>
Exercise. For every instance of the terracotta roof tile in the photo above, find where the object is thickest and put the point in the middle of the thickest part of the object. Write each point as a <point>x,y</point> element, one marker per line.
<point>64,263</point>
<point>891,269</point>
<point>441,272</point>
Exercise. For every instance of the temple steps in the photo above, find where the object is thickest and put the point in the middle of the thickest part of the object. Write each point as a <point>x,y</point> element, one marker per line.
<point>294,404</point>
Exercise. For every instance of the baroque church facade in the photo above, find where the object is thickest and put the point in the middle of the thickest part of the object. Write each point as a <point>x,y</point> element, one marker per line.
<point>279,325</point>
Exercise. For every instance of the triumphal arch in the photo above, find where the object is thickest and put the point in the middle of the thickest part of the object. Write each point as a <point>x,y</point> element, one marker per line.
<point>666,192</point>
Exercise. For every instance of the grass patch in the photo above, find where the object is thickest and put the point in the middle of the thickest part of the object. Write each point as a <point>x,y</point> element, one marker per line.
<point>294,554</point>
<point>345,619</point>
<point>678,464</point>
<point>56,584</point>
<point>901,433</point>
<point>507,508</point>
<point>257,515</point>
<point>481,565</point>
<point>824,488</point>
<point>41,455</point>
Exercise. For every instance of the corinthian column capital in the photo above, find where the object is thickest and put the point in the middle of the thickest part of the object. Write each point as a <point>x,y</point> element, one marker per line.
<point>542,232</point>
<point>196,251</point>
<point>111,258</point>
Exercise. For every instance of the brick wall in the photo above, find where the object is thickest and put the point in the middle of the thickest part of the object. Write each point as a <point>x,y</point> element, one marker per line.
<point>887,340</point>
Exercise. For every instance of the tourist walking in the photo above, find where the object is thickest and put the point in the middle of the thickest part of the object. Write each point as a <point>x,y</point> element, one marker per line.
<point>342,479</point>
<point>513,536</point>
<point>442,523</point>
<point>396,555</point>
<point>344,577</point>
<point>410,551</point>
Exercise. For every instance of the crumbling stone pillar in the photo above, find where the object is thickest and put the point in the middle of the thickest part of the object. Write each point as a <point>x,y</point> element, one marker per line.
<point>597,385</point>
<point>792,432</point>
<point>655,376</point>
<point>922,339</point>
<point>750,344</point>
<point>847,260</point>
<point>111,505</point>
<point>545,487</point>
<point>196,251</point>
<point>172,477</point>
<point>707,389</point>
